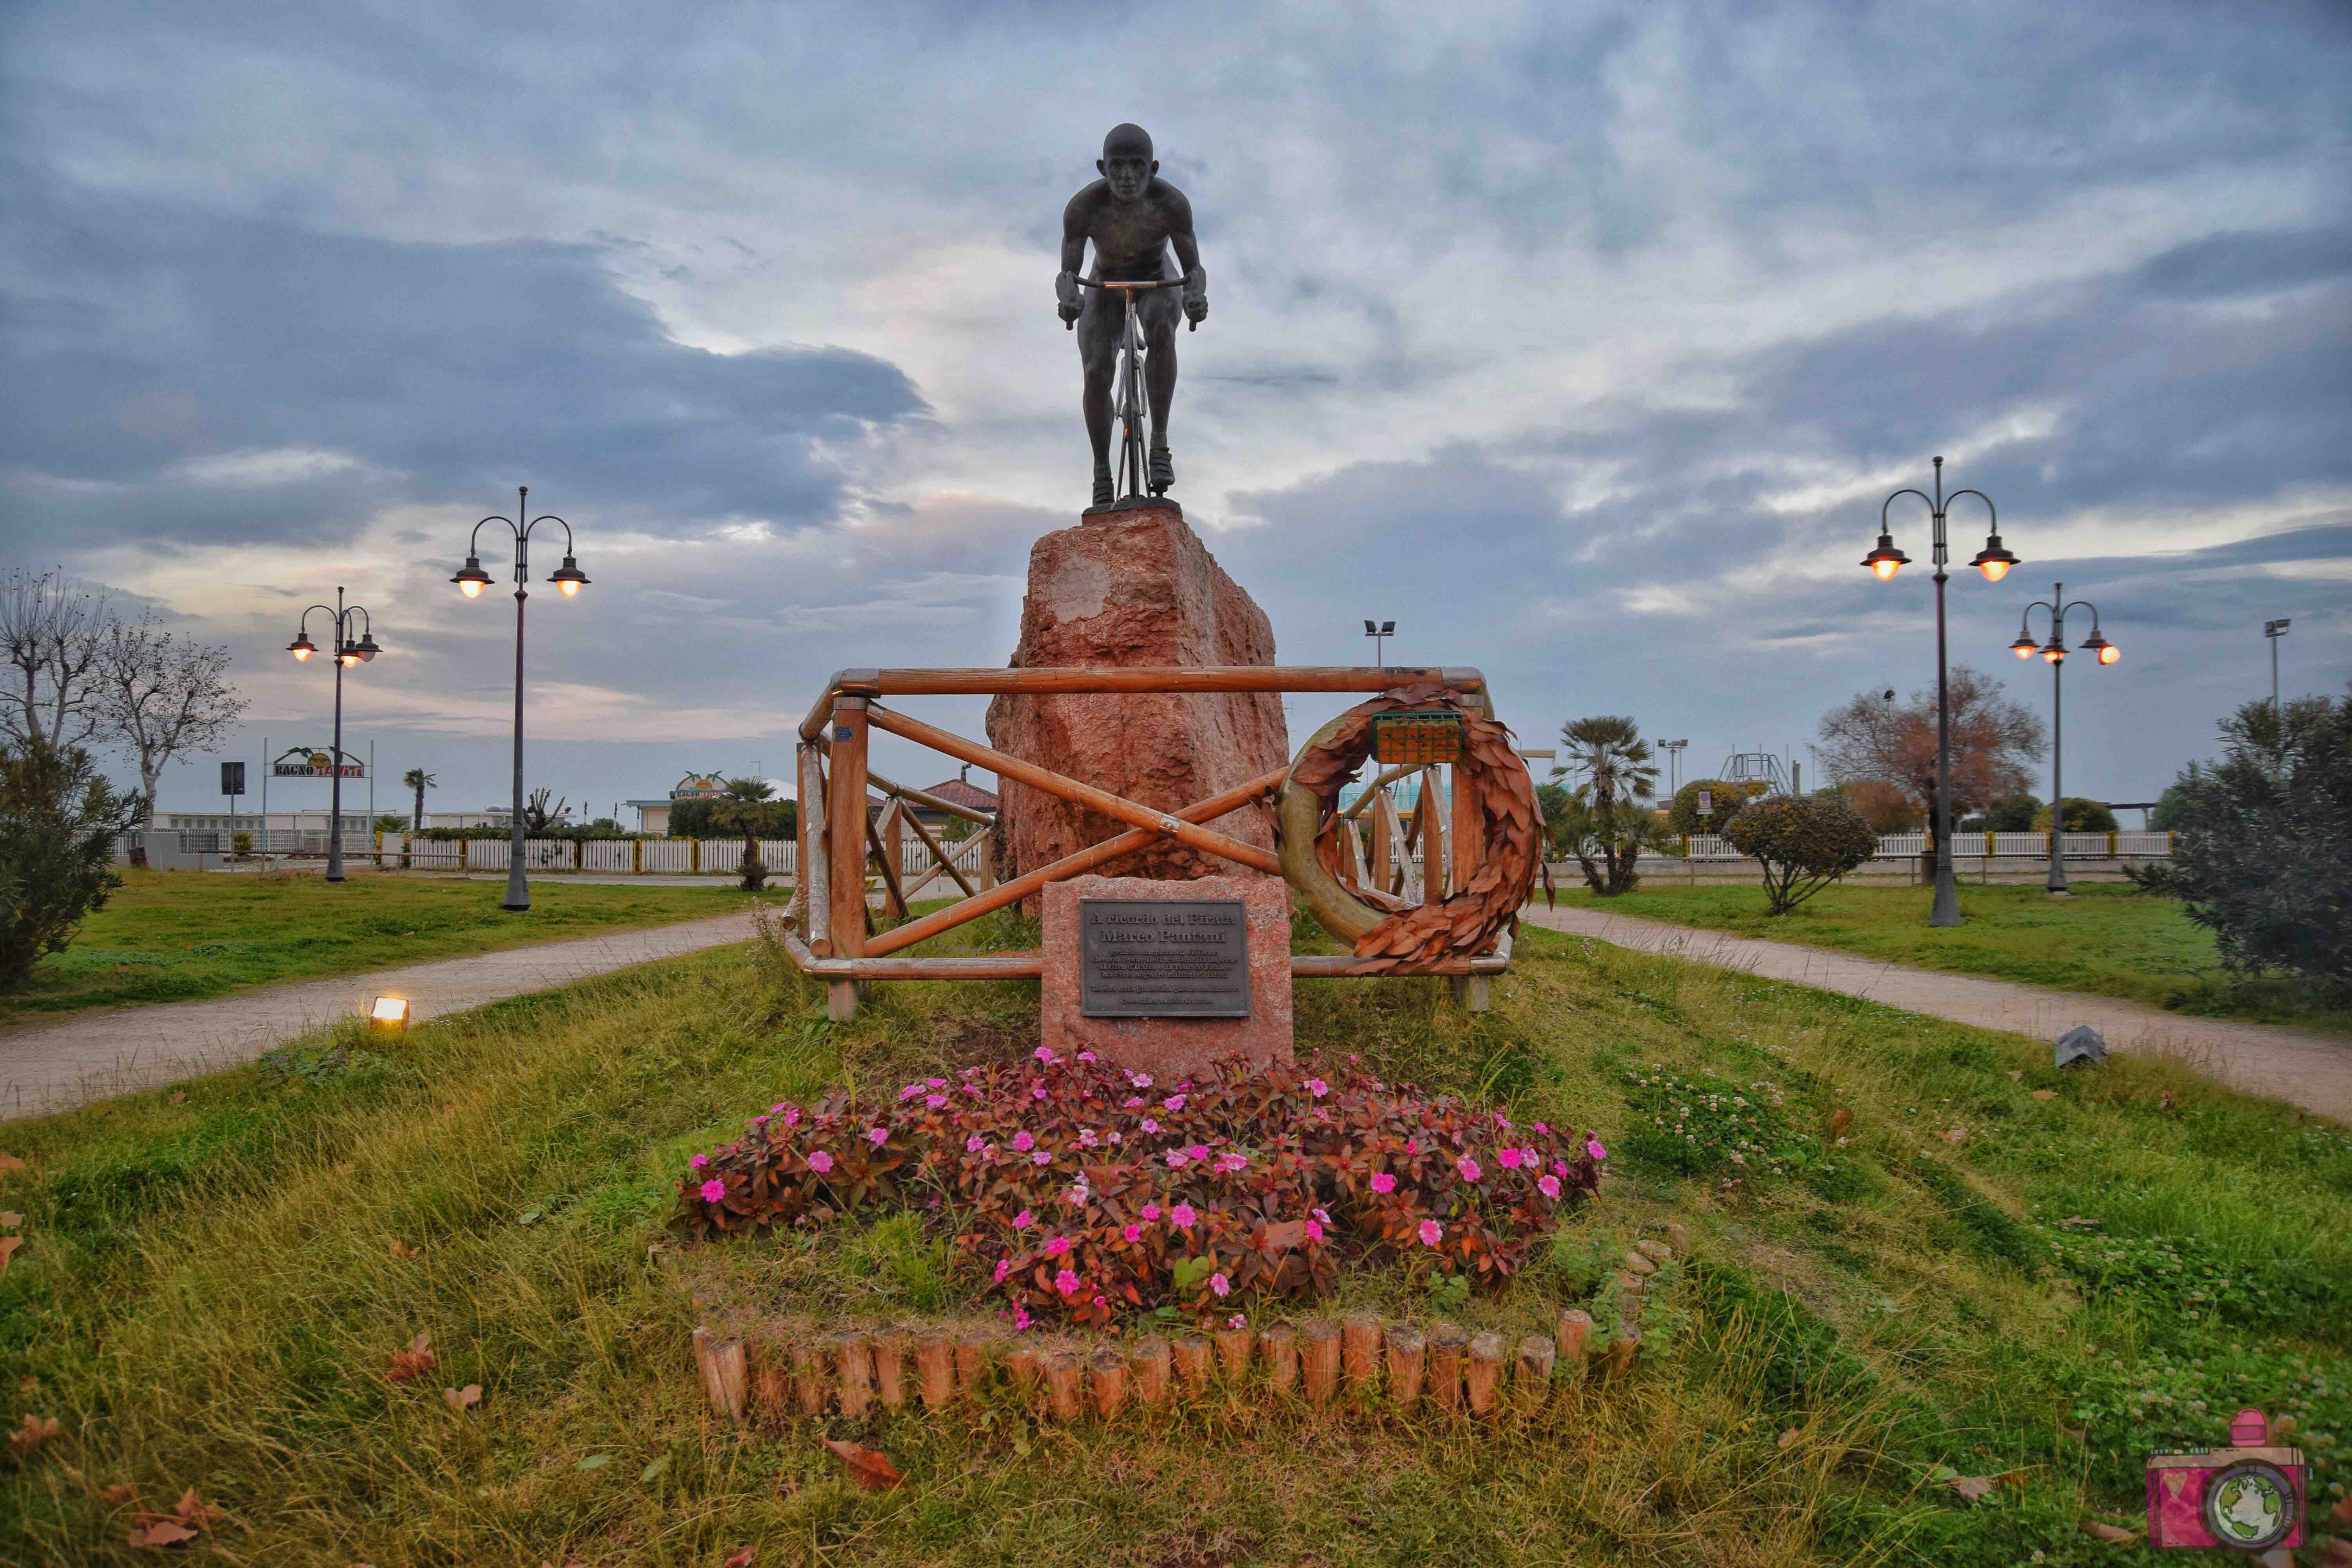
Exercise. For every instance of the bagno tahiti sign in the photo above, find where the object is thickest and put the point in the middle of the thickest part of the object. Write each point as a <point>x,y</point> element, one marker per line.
<point>303,762</point>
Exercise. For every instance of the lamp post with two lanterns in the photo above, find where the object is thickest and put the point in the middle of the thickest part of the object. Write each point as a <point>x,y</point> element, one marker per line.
<point>1994,561</point>
<point>348,650</point>
<point>471,580</point>
<point>2054,650</point>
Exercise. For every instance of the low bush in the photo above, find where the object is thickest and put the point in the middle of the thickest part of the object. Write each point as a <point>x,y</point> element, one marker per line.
<point>1805,842</point>
<point>58,822</point>
<point>1087,1192</point>
<point>1724,801</point>
<point>1696,1125</point>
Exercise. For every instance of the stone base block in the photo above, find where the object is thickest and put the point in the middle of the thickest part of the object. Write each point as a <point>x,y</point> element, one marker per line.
<point>1170,1049</point>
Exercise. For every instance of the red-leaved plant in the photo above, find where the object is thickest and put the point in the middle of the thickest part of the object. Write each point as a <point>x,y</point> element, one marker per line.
<point>1085,1191</point>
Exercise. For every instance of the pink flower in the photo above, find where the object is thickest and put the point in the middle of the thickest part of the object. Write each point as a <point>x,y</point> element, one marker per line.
<point>791,1116</point>
<point>1117,1137</point>
<point>1502,1121</point>
<point>973,1144</point>
<point>1174,1102</point>
<point>1003,1266</point>
<point>1542,1128</point>
<point>713,1190</point>
<point>699,1163</point>
<point>1221,1285</point>
<point>1431,1232</point>
<point>1383,1181</point>
<point>1023,1220</point>
<point>1230,1161</point>
<point>759,1121</point>
<point>1066,1283</point>
<point>1021,1319</point>
<point>1022,1141</point>
<point>1058,1247</point>
<point>1041,1158</point>
<point>1317,1087</point>
<point>1085,1056</point>
<point>1130,1102</point>
<point>1175,1159</point>
<point>971,1088</point>
<point>1550,1184</point>
<point>1150,1125</point>
<point>1324,1215</point>
<point>936,1082</point>
<point>1044,1053</point>
<point>1151,1212</point>
<point>776,1108</point>
<point>1085,1137</point>
<point>1411,1147</point>
<point>935,1100</point>
<point>1140,1080</point>
<point>820,1162</point>
<point>1132,1234</point>
<point>1182,1216</point>
<point>1314,1231</point>
<point>1197,1152</point>
<point>1593,1147</point>
<point>1559,1167</point>
<point>1037,1091</point>
<point>911,1091</point>
<point>1469,1168</point>
<point>878,1136</point>
<point>1238,1321</point>
<point>1508,1159</point>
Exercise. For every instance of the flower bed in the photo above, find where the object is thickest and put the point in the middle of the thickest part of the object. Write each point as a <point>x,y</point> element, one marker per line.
<point>1085,1192</point>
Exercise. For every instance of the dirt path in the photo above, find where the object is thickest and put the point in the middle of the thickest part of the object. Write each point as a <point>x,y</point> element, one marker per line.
<point>51,1067</point>
<point>2308,1070</point>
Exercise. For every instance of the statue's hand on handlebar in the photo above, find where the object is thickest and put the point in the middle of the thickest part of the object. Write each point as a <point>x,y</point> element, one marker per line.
<point>1067,298</point>
<point>1196,295</point>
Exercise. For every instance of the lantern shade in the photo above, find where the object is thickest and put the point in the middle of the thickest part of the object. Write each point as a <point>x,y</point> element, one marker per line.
<point>2024,646</point>
<point>1993,561</point>
<point>568,578</point>
<point>302,647</point>
<point>1885,560</point>
<point>2109,652</point>
<point>366,646</point>
<point>471,578</point>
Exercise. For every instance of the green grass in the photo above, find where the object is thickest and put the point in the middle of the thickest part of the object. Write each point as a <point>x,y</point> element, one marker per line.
<point>2108,940</point>
<point>208,1297</point>
<point>172,936</point>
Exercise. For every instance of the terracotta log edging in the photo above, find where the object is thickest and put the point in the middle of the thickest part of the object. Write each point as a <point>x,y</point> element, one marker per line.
<point>1378,1364</point>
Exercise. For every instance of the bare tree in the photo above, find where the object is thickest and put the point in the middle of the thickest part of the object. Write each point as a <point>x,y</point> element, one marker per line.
<point>1874,737</point>
<point>51,632</point>
<point>160,697</point>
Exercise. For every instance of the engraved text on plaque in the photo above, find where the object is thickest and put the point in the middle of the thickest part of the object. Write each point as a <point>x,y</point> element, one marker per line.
<point>1164,958</point>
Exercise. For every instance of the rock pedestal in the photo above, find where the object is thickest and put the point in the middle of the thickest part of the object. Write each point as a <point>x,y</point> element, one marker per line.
<point>1134,586</point>
<point>1170,1047</point>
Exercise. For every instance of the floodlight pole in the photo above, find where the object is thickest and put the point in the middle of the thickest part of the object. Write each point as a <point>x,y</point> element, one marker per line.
<point>471,579</point>
<point>1994,561</point>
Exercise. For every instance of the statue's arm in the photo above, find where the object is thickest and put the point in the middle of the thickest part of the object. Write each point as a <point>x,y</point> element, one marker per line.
<point>1188,255</point>
<point>1068,299</point>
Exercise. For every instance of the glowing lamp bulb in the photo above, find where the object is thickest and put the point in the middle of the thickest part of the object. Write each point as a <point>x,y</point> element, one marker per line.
<point>1886,569</point>
<point>569,590</point>
<point>302,653</point>
<point>2109,654</point>
<point>2052,654</point>
<point>389,1013</point>
<point>471,590</point>
<point>1994,571</point>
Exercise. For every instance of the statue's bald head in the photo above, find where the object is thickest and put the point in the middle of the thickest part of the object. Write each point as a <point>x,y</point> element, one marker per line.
<point>1127,161</point>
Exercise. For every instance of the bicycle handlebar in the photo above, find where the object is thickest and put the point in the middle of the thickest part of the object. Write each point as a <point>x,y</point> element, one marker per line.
<point>1141,285</point>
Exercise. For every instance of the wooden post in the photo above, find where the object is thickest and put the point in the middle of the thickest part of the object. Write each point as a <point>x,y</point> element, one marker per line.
<point>1469,830</point>
<point>854,1355</point>
<point>1026,1367</point>
<point>882,841</point>
<point>809,829</point>
<point>972,1347</point>
<point>935,1370</point>
<point>890,1365</point>
<point>1107,1371</point>
<point>893,853</point>
<point>1062,1385</point>
<point>1573,1340</point>
<point>1406,1348</point>
<point>1621,1354</point>
<point>772,1391</point>
<point>1151,1371</point>
<point>1481,1370</point>
<point>721,1363</point>
<point>1281,1344</point>
<point>1192,1355</point>
<point>1318,1355</point>
<point>845,830</point>
<point>1233,1347</point>
<point>1430,811</point>
<point>1359,1334</point>
<point>1445,1343</point>
<point>1531,1378</point>
<point>808,1379</point>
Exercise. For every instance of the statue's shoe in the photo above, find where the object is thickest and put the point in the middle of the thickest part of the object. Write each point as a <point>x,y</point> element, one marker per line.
<point>1103,486</point>
<point>1163,470</point>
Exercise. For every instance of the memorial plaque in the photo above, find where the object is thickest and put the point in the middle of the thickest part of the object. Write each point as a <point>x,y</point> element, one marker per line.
<point>1164,958</point>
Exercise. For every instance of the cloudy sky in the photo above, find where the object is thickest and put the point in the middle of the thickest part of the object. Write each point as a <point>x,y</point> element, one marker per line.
<point>1582,340</point>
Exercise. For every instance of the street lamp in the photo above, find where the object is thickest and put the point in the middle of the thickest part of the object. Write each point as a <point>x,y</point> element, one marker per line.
<point>1992,560</point>
<point>349,651</point>
<point>2055,652</point>
<point>1379,631</point>
<point>2273,630</point>
<point>471,580</point>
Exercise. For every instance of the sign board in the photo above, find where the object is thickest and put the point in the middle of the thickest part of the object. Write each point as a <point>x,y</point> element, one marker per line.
<point>1707,802</point>
<point>1164,958</point>
<point>303,764</point>
<point>698,786</point>
<point>232,778</point>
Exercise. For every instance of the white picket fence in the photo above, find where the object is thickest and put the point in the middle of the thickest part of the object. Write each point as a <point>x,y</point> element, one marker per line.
<point>2024,845</point>
<point>629,856</point>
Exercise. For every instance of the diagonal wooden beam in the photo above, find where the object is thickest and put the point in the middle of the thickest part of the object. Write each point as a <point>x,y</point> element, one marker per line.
<point>1191,835</point>
<point>946,861</point>
<point>896,905</point>
<point>1068,866</point>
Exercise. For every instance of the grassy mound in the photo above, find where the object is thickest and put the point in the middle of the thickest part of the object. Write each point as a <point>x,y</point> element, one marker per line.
<point>211,1291</point>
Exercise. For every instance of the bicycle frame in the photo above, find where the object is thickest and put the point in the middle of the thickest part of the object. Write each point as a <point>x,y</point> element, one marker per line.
<point>1130,399</point>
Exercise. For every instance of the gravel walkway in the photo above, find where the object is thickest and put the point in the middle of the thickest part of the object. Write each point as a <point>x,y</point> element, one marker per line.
<point>51,1067</point>
<point>2309,1070</point>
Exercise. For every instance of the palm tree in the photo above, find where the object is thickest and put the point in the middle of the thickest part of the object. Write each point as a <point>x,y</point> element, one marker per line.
<point>420,781</point>
<point>1606,816</point>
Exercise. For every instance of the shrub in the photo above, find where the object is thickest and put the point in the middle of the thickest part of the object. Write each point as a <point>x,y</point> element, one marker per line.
<point>1085,1192</point>
<point>2082,817</point>
<point>1725,800</point>
<point>2265,859</point>
<point>1888,807</point>
<point>2013,814</point>
<point>1805,843</point>
<point>241,845</point>
<point>59,821</point>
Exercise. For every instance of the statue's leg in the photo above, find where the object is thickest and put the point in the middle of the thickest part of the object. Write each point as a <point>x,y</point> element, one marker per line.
<point>1160,312</point>
<point>1098,329</point>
